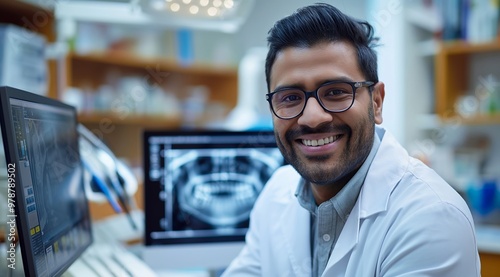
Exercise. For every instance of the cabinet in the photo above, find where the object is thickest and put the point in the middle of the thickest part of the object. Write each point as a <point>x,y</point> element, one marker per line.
<point>489,264</point>
<point>35,19</point>
<point>452,80</point>
<point>122,130</point>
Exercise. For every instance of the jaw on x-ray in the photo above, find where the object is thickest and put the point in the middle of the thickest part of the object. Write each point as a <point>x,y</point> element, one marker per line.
<point>216,188</point>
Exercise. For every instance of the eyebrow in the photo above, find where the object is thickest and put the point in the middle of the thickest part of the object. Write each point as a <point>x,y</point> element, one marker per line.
<point>301,87</point>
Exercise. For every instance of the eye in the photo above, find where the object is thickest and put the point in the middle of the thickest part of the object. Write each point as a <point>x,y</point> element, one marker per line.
<point>289,96</point>
<point>335,92</point>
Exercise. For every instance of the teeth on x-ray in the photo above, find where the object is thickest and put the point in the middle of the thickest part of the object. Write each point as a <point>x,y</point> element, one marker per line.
<point>219,186</point>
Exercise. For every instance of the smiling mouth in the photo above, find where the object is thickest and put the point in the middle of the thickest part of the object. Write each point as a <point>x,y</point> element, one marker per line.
<point>320,142</point>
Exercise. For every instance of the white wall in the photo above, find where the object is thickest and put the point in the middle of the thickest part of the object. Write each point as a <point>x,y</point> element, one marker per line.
<point>254,32</point>
<point>387,17</point>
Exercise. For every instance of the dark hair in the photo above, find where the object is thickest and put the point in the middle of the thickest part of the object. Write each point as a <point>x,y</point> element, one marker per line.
<point>318,23</point>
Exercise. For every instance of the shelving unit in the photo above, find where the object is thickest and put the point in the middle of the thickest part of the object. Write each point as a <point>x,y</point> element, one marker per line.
<point>452,69</point>
<point>91,69</point>
<point>143,121</point>
<point>123,133</point>
<point>441,72</point>
<point>452,63</point>
<point>493,119</point>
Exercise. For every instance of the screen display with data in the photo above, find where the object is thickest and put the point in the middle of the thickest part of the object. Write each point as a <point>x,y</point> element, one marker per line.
<point>200,186</point>
<point>51,209</point>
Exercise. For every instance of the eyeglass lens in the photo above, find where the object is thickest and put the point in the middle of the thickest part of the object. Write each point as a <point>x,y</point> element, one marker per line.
<point>333,97</point>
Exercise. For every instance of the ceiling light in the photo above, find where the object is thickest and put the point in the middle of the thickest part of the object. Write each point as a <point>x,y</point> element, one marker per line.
<point>218,15</point>
<point>194,9</point>
<point>228,4</point>
<point>212,11</point>
<point>175,7</point>
<point>227,14</point>
<point>217,3</point>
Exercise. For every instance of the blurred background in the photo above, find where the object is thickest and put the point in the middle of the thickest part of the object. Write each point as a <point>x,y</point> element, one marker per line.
<point>131,65</point>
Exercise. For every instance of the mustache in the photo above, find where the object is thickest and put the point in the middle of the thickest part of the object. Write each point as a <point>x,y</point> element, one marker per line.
<point>292,134</point>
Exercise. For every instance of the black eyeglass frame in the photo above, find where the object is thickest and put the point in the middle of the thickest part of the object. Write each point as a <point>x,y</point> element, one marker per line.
<point>314,93</point>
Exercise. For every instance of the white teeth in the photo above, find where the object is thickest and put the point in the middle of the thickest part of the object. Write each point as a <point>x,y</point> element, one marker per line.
<point>319,142</point>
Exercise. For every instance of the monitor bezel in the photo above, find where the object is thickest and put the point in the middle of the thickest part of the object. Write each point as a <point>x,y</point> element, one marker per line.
<point>12,157</point>
<point>151,208</point>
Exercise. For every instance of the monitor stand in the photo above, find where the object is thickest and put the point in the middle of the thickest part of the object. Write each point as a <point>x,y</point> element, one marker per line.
<point>210,256</point>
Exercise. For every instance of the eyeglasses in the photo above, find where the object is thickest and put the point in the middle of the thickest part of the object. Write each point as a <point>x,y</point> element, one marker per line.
<point>335,97</point>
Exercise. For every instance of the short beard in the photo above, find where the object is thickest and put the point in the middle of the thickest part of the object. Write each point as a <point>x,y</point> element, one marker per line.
<point>348,165</point>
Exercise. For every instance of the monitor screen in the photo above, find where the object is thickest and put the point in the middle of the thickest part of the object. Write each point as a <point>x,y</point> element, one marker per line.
<point>45,184</point>
<point>200,187</point>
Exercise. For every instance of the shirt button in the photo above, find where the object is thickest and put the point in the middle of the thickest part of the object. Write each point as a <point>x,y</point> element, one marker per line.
<point>326,237</point>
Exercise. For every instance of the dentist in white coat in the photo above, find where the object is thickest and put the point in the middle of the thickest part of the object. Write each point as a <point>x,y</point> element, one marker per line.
<point>351,202</point>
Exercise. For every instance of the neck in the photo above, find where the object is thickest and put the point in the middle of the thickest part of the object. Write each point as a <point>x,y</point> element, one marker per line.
<point>324,193</point>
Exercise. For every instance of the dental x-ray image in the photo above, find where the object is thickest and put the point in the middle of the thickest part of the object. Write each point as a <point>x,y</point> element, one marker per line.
<point>208,182</point>
<point>216,188</point>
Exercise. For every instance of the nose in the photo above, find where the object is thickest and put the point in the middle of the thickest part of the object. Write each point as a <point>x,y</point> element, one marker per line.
<point>313,114</point>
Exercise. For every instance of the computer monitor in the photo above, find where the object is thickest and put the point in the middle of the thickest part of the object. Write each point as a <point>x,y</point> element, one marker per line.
<point>200,187</point>
<point>45,182</point>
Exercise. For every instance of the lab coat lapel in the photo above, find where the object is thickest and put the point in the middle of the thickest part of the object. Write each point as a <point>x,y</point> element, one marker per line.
<point>386,170</point>
<point>296,233</point>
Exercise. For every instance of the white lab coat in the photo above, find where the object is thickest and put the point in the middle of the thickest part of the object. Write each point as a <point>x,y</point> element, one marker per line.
<point>407,221</point>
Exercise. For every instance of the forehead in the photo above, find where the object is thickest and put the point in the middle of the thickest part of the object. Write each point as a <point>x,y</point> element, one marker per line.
<point>308,67</point>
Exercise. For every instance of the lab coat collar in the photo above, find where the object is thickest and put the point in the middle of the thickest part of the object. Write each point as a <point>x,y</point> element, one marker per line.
<point>386,170</point>
<point>388,167</point>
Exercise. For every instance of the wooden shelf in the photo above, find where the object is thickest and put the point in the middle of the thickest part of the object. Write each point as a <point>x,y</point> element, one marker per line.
<point>90,71</point>
<point>122,59</point>
<point>29,16</point>
<point>493,119</point>
<point>464,47</point>
<point>489,264</point>
<point>144,121</point>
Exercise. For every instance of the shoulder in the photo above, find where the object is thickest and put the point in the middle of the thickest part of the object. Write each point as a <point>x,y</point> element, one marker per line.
<point>428,218</point>
<point>407,188</point>
<point>424,180</point>
<point>407,180</point>
<point>423,196</point>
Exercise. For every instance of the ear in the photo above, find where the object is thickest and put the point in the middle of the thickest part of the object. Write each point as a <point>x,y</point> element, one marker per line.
<point>378,95</point>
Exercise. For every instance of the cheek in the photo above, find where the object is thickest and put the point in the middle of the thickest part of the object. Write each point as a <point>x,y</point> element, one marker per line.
<point>277,125</point>
<point>357,117</point>
<point>280,124</point>
<point>281,127</point>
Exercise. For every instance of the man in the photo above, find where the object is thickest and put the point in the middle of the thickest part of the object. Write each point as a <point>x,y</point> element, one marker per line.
<point>351,202</point>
